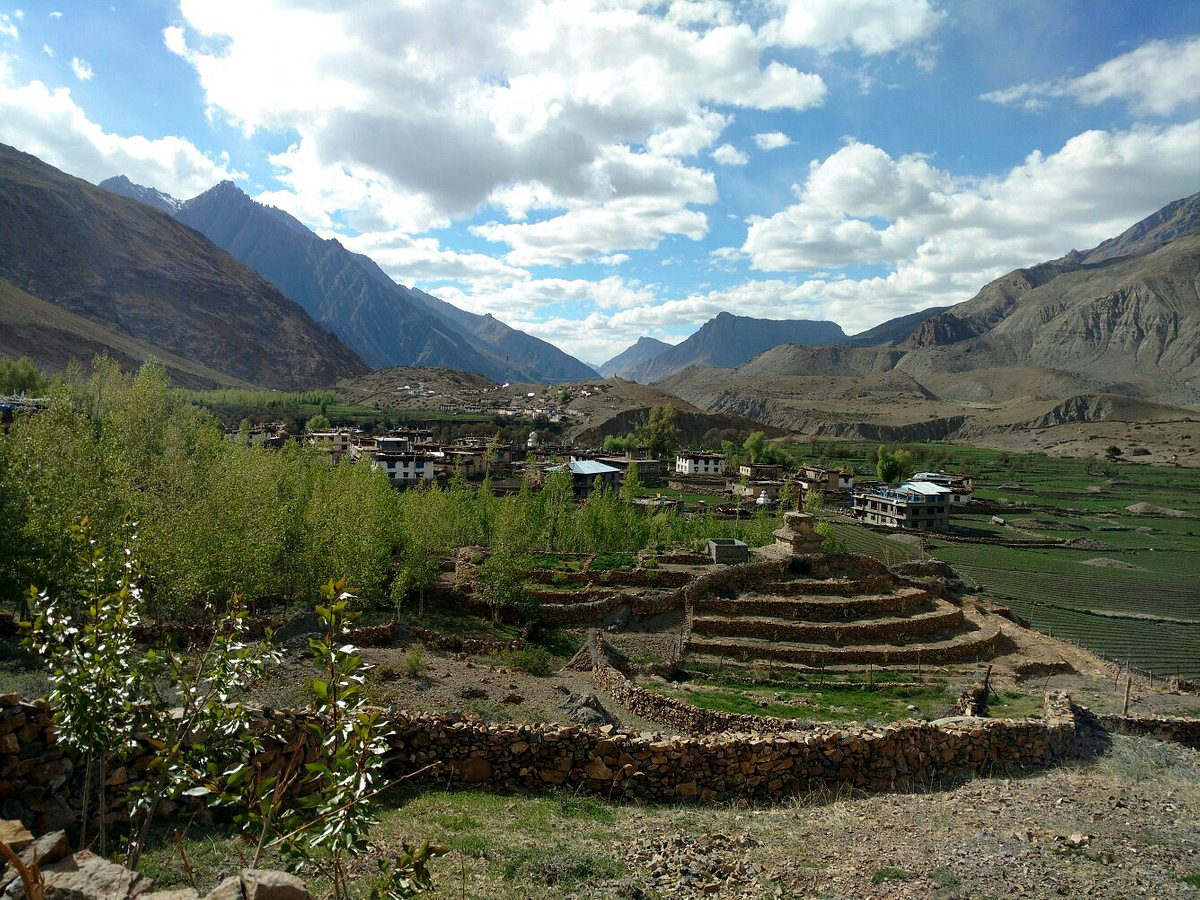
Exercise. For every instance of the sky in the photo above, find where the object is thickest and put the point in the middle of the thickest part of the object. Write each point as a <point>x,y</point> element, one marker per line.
<point>593,171</point>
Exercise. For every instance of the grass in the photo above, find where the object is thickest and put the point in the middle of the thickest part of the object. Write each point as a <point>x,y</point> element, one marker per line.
<point>828,704</point>
<point>615,561</point>
<point>20,671</point>
<point>1144,612</point>
<point>891,873</point>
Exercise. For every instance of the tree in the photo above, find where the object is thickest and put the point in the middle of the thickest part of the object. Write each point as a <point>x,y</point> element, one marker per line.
<point>659,432</point>
<point>1112,453</point>
<point>631,484</point>
<point>892,466</point>
<point>754,445</point>
<point>319,422</point>
<point>502,580</point>
<point>21,376</point>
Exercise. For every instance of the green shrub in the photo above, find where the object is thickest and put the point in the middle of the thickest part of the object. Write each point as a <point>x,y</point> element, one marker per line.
<point>534,660</point>
<point>414,662</point>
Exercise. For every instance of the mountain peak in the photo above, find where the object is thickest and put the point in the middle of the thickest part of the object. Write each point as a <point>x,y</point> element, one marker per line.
<point>120,184</point>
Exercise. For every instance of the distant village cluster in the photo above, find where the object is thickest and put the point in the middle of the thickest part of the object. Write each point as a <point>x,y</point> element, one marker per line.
<point>411,456</point>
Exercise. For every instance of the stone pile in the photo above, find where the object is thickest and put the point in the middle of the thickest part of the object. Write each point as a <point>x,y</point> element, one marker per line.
<point>86,876</point>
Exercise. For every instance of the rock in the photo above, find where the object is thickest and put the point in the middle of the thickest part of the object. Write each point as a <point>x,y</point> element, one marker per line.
<point>179,894</point>
<point>512,699</point>
<point>229,889</point>
<point>85,876</point>
<point>46,850</point>
<point>15,834</point>
<point>269,884</point>
<point>474,769</point>
<point>472,693</point>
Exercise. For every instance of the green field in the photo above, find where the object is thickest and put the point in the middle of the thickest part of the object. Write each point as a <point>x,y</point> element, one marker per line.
<point>1136,601</point>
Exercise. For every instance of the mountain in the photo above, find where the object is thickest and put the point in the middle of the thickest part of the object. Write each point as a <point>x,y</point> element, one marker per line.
<point>1173,220</point>
<point>728,340</point>
<point>151,197</point>
<point>1101,337</point>
<point>894,331</point>
<point>623,363</point>
<point>131,269</point>
<point>384,322</point>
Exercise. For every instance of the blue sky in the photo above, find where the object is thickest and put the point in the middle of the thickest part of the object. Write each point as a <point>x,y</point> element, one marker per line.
<point>592,172</point>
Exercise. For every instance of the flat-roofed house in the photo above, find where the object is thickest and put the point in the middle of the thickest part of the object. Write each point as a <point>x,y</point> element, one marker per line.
<point>911,506</point>
<point>692,462</point>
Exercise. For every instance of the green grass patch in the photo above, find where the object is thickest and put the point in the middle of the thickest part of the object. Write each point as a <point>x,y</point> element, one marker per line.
<point>891,873</point>
<point>828,704</point>
<point>616,561</point>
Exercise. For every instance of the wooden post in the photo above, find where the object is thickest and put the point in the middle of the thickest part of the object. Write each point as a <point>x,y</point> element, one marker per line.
<point>1128,685</point>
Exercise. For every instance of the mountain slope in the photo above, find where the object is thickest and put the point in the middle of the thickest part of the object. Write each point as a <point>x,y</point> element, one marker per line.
<point>385,322</point>
<point>728,340</point>
<point>137,271</point>
<point>53,337</point>
<point>631,357</point>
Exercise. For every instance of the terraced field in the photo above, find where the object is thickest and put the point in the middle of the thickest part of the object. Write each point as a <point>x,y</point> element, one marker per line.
<point>1133,596</point>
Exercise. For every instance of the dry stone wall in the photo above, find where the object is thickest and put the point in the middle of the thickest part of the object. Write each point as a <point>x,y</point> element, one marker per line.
<point>1164,728</point>
<point>41,785</point>
<point>883,631</point>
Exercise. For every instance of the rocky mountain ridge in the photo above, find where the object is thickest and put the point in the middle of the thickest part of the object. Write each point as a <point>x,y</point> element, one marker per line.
<point>387,323</point>
<point>131,269</point>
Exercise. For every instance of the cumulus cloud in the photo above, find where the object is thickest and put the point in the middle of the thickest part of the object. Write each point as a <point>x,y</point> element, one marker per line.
<point>1156,78</point>
<point>729,155</point>
<point>871,27</point>
<point>942,236</point>
<point>8,28</point>
<point>550,105</point>
<point>82,69</point>
<point>48,123</point>
<point>772,140</point>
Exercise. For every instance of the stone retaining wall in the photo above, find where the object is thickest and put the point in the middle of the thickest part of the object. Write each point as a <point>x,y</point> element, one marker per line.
<point>815,610</point>
<point>883,631</point>
<point>1165,728</point>
<point>982,646</point>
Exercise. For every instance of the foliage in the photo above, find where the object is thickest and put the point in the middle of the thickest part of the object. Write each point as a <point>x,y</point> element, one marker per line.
<point>319,422</point>
<point>502,580</point>
<point>20,376</point>
<point>631,484</point>
<point>414,662</point>
<point>892,466</point>
<point>107,694</point>
<point>330,822</point>
<point>659,432</point>
<point>219,518</point>
<point>533,660</point>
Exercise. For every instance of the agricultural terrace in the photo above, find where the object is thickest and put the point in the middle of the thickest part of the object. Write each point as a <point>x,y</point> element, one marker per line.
<point>1123,583</point>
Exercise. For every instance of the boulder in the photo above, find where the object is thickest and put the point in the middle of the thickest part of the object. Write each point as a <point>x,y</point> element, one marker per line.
<point>86,876</point>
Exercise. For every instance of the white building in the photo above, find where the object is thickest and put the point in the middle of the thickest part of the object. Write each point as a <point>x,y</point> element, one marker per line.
<point>403,467</point>
<point>912,506</point>
<point>699,463</point>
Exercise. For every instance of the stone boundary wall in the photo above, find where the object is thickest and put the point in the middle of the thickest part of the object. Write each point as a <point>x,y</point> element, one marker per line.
<point>1164,728</point>
<point>41,785</point>
<point>883,631</point>
<point>816,610</point>
<point>667,710</point>
<point>983,646</point>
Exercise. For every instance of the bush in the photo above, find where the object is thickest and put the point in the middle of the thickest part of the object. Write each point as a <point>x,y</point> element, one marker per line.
<point>533,660</point>
<point>414,662</point>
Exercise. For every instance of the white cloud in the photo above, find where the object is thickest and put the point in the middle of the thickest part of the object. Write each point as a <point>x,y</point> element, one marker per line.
<point>729,155</point>
<point>48,123</point>
<point>48,50</point>
<point>871,27</point>
<point>580,235</point>
<point>412,260</point>
<point>1156,78</point>
<point>546,105</point>
<point>942,237</point>
<point>56,14</point>
<point>772,140</point>
<point>82,69</point>
<point>8,28</point>
<point>613,259</point>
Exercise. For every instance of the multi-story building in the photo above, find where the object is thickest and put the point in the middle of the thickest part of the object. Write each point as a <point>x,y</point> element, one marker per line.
<point>961,486</point>
<point>911,506</point>
<point>691,462</point>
